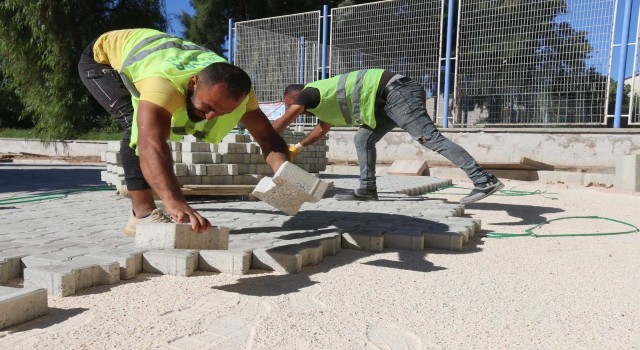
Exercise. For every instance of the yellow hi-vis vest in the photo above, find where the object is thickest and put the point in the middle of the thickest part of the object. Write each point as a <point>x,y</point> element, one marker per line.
<point>151,53</point>
<point>348,99</point>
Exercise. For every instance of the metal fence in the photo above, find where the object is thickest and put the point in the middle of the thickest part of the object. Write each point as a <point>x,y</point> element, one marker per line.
<point>532,62</point>
<point>402,36</point>
<point>278,51</point>
<point>517,62</point>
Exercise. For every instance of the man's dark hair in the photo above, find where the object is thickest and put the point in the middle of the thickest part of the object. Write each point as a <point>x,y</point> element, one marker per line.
<point>237,81</point>
<point>293,88</point>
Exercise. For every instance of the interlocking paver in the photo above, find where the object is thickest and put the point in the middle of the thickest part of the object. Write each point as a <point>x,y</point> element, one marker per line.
<point>177,262</point>
<point>18,305</point>
<point>67,277</point>
<point>180,236</point>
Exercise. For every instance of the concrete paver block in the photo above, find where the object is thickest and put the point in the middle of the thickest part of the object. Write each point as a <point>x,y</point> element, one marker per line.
<point>473,224</point>
<point>363,239</point>
<point>285,258</point>
<point>11,265</point>
<point>235,262</point>
<point>404,237</point>
<point>180,236</point>
<point>285,199</point>
<point>196,157</point>
<point>628,173</point>
<point>18,305</point>
<point>67,277</point>
<point>289,188</point>
<point>232,147</point>
<point>291,175</point>
<point>195,147</point>
<point>176,262</point>
<point>292,255</point>
<point>444,240</point>
<point>407,167</point>
<point>130,261</point>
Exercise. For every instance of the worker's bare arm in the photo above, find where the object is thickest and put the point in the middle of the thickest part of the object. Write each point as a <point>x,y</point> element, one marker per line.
<point>154,124</point>
<point>316,134</point>
<point>287,118</point>
<point>274,148</point>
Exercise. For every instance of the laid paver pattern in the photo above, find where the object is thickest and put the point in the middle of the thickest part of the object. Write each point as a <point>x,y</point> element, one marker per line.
<point>79,238</point>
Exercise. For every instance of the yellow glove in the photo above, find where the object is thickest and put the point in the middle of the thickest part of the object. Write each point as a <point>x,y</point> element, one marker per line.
<point>294,150</point>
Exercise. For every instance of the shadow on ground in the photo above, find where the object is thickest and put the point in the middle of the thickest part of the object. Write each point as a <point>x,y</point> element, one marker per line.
<point>36,178</point>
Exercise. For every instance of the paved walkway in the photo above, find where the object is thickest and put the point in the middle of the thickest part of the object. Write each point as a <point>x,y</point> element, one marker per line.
<point>87,222</point>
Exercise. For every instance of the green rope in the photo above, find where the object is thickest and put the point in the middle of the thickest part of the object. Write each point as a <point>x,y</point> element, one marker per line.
<point>506,193</point>
<point>51,195</point>
<point>529,232</point>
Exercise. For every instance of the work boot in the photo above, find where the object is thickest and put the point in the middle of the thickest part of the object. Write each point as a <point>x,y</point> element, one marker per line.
<point>482,190</point>
<point>156,216</point>
<point>359,194</point>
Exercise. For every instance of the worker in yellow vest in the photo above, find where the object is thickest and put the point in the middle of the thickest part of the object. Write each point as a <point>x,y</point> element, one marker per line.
<point>378,101</point>
<point>161,87</point>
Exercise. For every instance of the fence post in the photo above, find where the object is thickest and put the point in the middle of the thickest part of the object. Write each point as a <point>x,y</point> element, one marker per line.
<point>447,64</point>
<point>230,41</point>
<point>325,21</point>
<point>301,62</point>
<point>622,62</point>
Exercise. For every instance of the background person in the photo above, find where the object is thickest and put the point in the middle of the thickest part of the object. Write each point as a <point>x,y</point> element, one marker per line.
<point>378,101</point>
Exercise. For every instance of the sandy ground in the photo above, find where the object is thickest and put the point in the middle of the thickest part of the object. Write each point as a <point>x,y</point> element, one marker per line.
<point>515,293</point>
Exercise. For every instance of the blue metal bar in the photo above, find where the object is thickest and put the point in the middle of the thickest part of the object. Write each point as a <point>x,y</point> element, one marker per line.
<point>447,65</point>
<point>325,30</point>
<point>301,62</point>
<point>230,41</point>
<point>622,62</point>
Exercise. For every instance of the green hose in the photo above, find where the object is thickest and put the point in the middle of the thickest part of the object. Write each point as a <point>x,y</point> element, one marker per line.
<point>51,195</point>
<point>529,232</point>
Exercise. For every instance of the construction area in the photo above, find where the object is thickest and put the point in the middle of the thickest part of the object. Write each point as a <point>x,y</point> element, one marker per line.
<point>506,272</point>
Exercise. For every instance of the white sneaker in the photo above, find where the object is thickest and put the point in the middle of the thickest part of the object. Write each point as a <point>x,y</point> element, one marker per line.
<point>157,215</point>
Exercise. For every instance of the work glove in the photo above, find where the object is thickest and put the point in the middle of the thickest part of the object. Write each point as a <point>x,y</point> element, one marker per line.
<point>294,150</point>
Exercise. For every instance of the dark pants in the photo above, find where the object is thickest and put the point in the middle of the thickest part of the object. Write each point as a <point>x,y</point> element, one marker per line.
<point>405,107</point>
<point>105,85</point>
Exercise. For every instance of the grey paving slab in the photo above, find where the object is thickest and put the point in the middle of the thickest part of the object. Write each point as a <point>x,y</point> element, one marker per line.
<point>18,305</point>
<point>180,236</point>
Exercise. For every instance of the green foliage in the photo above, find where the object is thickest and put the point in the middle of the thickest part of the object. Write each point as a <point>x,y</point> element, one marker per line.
<point>40,44</point>
<point>11,107</point>
<point>100,135</point>
<point>209,25</point>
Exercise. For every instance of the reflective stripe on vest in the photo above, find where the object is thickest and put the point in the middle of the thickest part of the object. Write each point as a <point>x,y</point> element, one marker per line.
<point>355,96</point>
<point>135,56</point>
<point>341,93</point>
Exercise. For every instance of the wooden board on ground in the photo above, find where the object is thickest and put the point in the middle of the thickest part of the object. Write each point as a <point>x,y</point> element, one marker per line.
<point>217,190</point>
<point>524,164</point>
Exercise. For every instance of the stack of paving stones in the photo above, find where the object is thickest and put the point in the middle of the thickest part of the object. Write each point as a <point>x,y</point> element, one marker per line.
<point>237,160</point>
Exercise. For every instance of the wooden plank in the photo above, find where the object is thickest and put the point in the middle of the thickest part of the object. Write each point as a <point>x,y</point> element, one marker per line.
<point>536,164</point>
<point>506,166</point>
<point>217,190</point>
<point>525,164</point>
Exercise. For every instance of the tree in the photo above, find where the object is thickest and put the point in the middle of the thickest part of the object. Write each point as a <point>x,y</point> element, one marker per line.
<point>209,25</point>
<point>40,44</point>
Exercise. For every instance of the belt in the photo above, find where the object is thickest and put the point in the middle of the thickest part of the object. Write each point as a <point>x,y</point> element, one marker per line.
<point>394,84</point>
